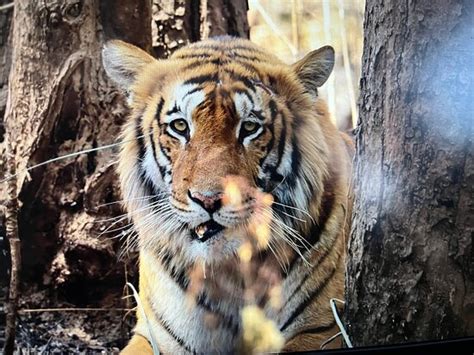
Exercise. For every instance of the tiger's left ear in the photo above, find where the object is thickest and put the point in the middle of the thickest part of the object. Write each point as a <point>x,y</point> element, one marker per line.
<point>314,69</point>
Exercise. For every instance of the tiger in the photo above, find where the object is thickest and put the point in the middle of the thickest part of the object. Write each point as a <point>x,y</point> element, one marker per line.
<point>221,112</point>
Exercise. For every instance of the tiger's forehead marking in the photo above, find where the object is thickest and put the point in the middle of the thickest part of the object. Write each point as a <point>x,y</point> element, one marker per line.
<point>186,97</point>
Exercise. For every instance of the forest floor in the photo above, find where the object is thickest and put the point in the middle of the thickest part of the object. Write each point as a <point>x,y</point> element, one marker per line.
<point>43,330</point>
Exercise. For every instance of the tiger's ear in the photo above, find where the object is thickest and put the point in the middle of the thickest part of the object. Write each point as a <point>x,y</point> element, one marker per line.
<point>123,62</point>
<point>314,69</point>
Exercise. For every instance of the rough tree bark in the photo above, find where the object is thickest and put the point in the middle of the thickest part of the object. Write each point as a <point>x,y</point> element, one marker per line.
<point>411,270</point>
<point>178,22</point>
<point>5,59</point>
<point>61,102</point>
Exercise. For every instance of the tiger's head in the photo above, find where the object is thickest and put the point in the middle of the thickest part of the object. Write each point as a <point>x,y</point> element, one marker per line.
<point>220,113</point>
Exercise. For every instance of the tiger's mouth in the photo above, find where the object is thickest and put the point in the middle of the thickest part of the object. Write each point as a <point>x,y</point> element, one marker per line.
<point>206,231</point>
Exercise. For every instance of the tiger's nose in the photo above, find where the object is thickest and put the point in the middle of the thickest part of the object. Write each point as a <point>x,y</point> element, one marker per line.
<point>211,201</point>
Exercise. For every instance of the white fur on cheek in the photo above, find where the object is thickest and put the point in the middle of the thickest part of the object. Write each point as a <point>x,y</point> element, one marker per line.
<point>152,171</point>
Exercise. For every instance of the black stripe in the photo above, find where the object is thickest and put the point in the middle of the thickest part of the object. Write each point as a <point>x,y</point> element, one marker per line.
<point>177,274</point>
<point>307,274</point>
<point>315,330</point>
<point>139,137</point>
<point>226,48</point>
<point>244,92</point>
<point>161,168</point>
<point>246,65</point>
<point>175,109</point>
<point>272,82</point>
<point>180,278</point>
<point>159,108</point>
<point>163,151</point>
<point>147,184</point>
<point>314,234</point>
<point>276,177</point>
<point>295,157</point>
<point>260,183</point>
<point>170,135</point>
<point>207,61</point>
<point>274,112</point>
<point>271,128</point>
<point>251,58</point>
<point>233,55</point>
<point>258,114</point>
<point>150,189</point>
<point>291,179</point>
<point>312,296</point>
<point>201,79</point>
<point>265,185</point>
<point>238,77</point>
<point>168,329</point>
<point>190,92</point>
<point>194,55</point>
<point>180,209</point>
<point>327,207</point>
<point>228,321</point>
<point>282,142</point>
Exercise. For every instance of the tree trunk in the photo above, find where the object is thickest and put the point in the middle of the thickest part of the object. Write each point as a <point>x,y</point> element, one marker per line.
<point>411,271</point>
<point>60,102</point>
<point>179,22</point>
<point>5,60</point>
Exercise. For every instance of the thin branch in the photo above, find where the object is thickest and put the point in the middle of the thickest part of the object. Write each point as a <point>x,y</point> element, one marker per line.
<point>274,27</point>
<point>295,24</point>
<point>7,6</point>
<point>71,309</point>
<point>11,224</point>
<point>328,40</point>
<point>347,64</point>
<point>204,27</point>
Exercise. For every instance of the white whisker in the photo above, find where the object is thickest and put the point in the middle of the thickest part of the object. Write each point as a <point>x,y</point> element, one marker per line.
<point>70,155</point>
<point>296,209</point>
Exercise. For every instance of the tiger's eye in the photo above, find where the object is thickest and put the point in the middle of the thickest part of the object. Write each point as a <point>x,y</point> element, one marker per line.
<point>250,126</point>
<point>179,125</point>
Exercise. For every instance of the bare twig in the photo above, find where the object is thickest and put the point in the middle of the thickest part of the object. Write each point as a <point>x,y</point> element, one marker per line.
<point>328,40</point>
<point>204,27</point>
<point>274,27</point>
<point>347,64</point>
<point>295,22</point>
<point>71,309</point>
<point>6,7</point>
<point>11,224</point>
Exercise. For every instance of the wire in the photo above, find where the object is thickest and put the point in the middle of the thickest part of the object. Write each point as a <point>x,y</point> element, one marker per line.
<point>332,302</point>
<point>327,341</point>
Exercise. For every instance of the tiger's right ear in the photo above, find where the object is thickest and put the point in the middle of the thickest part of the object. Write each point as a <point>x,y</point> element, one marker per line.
<point>123,62</point>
